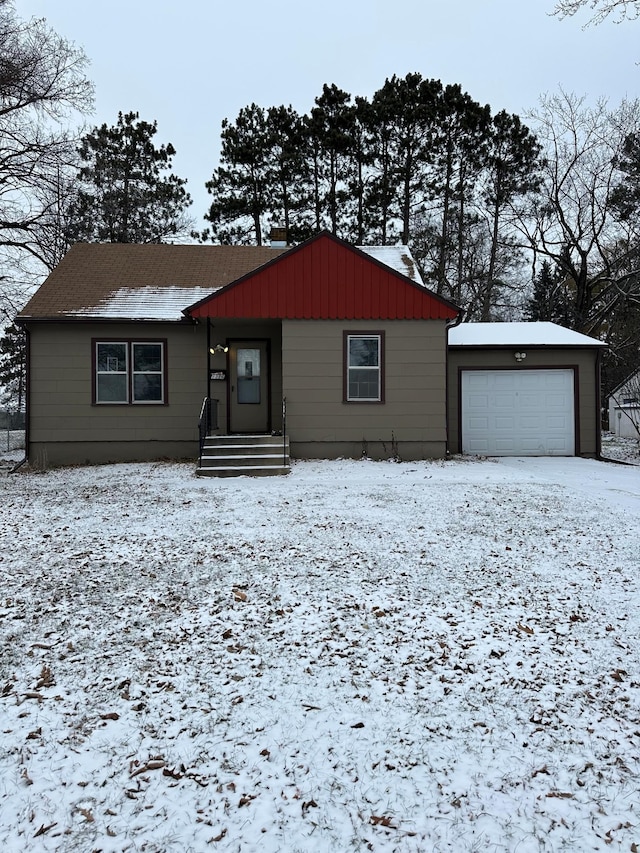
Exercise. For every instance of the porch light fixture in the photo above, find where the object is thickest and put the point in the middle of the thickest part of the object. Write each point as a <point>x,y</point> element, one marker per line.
<point>218,348</point>
<point>520,356</point>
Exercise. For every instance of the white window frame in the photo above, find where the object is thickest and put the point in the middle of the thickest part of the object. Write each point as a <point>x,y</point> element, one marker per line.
<point>376,369</point>
<point>98,373</point>
<point>130,373</point>
<point>135,373</point>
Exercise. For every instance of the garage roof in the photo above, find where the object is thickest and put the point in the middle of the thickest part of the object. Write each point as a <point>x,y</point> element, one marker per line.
<point>541,334</point>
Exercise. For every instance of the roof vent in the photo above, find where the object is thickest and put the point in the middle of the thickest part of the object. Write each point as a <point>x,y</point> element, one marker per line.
<point>278,238</point>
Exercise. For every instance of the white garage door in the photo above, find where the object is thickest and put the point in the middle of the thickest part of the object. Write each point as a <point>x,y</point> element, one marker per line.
<point>518,412</point>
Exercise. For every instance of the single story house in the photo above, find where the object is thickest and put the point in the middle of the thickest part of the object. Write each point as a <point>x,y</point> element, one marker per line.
<point>624,407</point>
<point>323,350</point>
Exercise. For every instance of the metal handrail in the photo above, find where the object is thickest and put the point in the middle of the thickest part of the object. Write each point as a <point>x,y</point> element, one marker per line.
<point>284,431</point>
<point>207,422</point>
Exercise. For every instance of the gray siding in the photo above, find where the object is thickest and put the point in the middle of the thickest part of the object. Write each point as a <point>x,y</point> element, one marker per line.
<point>411,421</point>
<point>587,385</point>
<point>65,428</point>
<point>224,330</point>
<point>306,367</point>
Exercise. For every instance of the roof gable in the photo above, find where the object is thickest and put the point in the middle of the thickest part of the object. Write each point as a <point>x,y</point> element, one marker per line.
<point>325,279</point>
<point>632,382</point>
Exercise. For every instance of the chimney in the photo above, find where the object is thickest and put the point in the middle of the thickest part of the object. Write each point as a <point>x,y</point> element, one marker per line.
<point>278,238</point>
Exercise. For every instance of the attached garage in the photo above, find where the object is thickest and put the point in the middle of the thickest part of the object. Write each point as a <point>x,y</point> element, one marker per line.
<point>523,389</point>
<point>518,412</point>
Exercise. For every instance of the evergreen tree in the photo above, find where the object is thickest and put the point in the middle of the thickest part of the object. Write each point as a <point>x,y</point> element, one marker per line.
<point>330,133</point>
<point>550,300</point>
<point>242,185</point>
<point>408,110</point>
<point>13,367</point>
<point>128,193</point>
<point>625,198</point>
<point>381,208</point>
<point>511,172</point>
<point>419,163</point>
<point>288,173</point>
<point>459,151</point>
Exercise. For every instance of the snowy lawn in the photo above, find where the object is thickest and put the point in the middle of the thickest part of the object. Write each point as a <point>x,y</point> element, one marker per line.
<point>360,656</point>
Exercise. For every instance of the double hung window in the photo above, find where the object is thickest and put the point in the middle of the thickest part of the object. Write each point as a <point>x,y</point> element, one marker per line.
<point>129,372</point>
<point>364,359</point>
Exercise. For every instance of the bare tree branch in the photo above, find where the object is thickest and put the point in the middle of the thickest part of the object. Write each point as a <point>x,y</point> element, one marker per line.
<point>623,9</point>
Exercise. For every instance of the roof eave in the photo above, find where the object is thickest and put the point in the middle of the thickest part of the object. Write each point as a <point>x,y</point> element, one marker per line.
<point>520,344</point>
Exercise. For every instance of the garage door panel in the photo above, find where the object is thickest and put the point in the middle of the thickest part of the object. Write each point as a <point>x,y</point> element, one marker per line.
<point>518,412</point>
<point>559,422</point>
<point>502,383</point>
<point>532,422</point>
<point>479,448</point>
<point>531,447</point>
<point>560,447</point>
<point>503,401</point>
<point>503,423</point>
<point>479,401</point>
<point>480,425</point>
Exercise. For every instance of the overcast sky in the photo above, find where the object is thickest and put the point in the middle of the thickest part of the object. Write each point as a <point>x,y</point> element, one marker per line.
<point>192,63</point>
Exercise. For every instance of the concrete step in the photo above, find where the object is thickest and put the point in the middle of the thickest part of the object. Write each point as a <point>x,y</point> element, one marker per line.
<point>244,455</point>
<point>251,460</point>
<point>241,471</point>
<point>251,440</point>
<point>244,449</point>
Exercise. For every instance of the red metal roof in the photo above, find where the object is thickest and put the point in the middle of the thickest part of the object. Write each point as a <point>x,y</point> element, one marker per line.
<point>325,279</point>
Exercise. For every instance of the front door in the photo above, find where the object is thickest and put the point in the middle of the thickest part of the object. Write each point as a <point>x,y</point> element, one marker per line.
<point>249,387</point>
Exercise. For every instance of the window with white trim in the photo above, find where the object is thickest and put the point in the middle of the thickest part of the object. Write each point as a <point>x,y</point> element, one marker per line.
<point>129,372</point>
<point>364,358</point>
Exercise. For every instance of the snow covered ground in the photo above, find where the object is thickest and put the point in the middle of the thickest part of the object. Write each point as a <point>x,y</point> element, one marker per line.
<point>360,656</point>
<point>619,448</point>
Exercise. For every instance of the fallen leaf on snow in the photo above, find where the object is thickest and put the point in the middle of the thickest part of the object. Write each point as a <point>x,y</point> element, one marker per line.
<point>155,764</point>
<point>382,820</point>
<point>44,829</point>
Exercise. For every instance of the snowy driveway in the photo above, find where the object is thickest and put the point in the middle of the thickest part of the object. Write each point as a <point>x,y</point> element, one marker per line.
<point>615,484</point>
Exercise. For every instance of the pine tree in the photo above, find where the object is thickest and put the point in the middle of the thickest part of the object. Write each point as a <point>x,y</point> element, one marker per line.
<point>625,198</point>
<point>287,173</point>
<point>460,139</point>
<point>550,300</point>
<point>242,185</point>
<point>330,134</point>
<point>512,171</point>
<point>408,110</point>
<point>13,367</point>
<point>128,192</point>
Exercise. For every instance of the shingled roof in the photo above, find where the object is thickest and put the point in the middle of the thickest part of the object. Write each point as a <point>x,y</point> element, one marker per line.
<point>134,281</point>
<point>158,282</point>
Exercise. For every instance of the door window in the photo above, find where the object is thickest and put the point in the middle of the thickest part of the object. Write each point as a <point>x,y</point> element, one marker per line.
<point>248,361</point>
